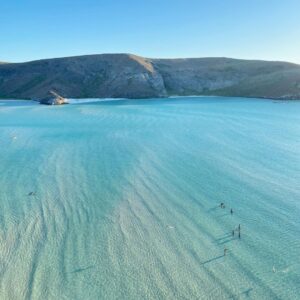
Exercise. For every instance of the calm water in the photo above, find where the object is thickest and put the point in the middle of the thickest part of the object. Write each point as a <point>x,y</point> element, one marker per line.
<point>126,198</point>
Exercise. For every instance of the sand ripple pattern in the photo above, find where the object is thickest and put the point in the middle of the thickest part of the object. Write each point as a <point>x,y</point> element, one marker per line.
<point>121,200</point>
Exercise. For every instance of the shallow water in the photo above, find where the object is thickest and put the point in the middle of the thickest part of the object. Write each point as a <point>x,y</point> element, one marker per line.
<point>126,196</point>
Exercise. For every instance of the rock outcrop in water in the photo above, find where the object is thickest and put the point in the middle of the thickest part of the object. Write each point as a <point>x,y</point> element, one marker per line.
<point>53,99</point>
<point>131,76</point>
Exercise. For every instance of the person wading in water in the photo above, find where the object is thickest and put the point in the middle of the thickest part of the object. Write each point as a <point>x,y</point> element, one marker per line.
<point>225,251</point>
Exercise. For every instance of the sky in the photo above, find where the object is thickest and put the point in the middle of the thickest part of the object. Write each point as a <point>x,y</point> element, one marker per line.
<point>249,29</point>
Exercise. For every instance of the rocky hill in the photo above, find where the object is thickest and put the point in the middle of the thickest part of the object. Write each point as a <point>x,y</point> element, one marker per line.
<point>130,76</point>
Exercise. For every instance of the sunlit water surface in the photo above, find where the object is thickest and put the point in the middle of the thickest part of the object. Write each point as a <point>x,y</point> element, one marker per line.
<point>120,199</point>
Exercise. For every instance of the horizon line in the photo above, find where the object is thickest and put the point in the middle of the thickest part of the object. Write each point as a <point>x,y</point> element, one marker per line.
<point>145,57</point>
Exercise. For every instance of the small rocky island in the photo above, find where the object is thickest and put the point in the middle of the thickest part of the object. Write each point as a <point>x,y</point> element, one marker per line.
<point>53,99</point>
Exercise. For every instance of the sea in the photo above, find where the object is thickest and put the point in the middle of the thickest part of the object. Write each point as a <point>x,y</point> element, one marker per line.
<point>122,199</point>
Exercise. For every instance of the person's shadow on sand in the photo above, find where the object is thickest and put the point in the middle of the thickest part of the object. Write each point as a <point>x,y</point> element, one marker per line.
<point>211,260</point>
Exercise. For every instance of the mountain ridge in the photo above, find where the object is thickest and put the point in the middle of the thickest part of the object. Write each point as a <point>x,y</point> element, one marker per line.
<point>130,76</point>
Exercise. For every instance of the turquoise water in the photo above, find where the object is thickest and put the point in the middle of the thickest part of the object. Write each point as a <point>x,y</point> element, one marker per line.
<point>126,196</point>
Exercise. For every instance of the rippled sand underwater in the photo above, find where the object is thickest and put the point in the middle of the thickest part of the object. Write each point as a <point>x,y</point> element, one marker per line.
<point>120,200</point>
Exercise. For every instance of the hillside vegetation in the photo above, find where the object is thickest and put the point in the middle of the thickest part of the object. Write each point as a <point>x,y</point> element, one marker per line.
<point>131,76</point>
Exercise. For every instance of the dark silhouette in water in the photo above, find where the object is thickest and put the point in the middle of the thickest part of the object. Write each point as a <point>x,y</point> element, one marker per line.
<point>32,194</point>
<point>225,251</point>
<point>222,205</point>
<point>233,232</point>
<point>231,211</point>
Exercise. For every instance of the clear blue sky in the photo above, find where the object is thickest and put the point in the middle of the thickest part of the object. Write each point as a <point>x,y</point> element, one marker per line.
<point>263,29</point>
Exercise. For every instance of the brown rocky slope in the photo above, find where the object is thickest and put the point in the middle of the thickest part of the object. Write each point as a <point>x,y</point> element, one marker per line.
<point>131,76</point>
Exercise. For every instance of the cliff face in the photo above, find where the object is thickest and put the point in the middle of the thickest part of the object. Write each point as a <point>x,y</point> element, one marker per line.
<point>130,76</point>
<point>230,77</point>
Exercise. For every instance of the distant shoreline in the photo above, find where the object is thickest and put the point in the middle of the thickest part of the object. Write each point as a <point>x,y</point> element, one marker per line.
<point>94,100</point>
